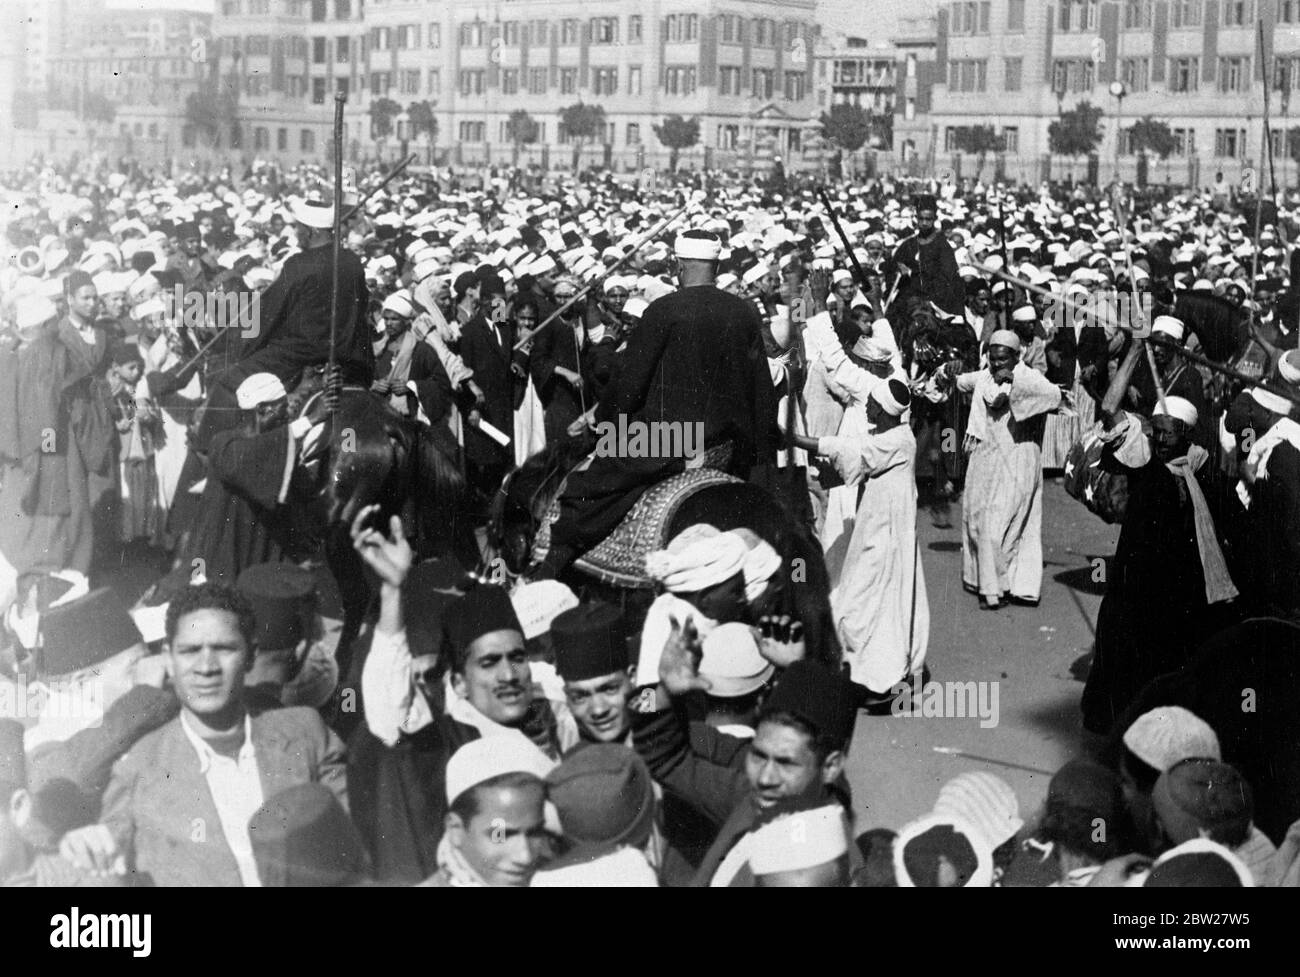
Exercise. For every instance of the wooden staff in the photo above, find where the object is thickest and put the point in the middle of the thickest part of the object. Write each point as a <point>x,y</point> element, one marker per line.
<point>339,99</point>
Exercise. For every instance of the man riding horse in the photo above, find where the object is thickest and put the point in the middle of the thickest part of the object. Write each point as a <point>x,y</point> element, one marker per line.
<point>695,363</point>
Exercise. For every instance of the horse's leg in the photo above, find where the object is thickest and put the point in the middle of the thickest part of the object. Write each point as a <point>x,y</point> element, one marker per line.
<point>354,595</point>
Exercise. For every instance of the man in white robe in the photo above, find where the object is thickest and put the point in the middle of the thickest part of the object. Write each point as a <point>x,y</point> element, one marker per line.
<point>879,599</point>
<point>1002,507</point>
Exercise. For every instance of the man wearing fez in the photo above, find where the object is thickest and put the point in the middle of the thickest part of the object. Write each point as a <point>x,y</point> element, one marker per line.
<point>591,655</point>
<point>178,804</point>
<point>795,761</point>
<point>425,697</point>
<point>697,358</point>
<point>294,663</point>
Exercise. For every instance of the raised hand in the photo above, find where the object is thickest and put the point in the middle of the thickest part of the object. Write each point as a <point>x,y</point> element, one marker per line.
<point>678,665</point>
<point>389,556</point>
<point>780,639</point>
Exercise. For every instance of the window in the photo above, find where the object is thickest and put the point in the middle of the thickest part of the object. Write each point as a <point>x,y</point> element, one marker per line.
<point>318,50</point>
<point>294,86</point>
<point>973,17</point>
<point>471,81</point>
<point>510,33</point>
<point>690,27</point>
<point>281,139</point>
<point>408,36</point>
<point>317,10</point>
<point>604,30</point>
<point>1136,74</point>
<point>634,28</point>
<point>763,33</point>
<point>435,35</point>
<point>342,9</point>
<point>568,81</point>
<point>604,81</point>
<point>435,81</point>
<point>1015,15</point>
<point>540,32</point>
<point>1137,14</point>
<point>733,29</point>
<point>341,86</point>
<point>634,133</point>
<point>1184,74</point>
<point>1238,13</point>
<point>258,45</point>
<point>1185,13</point>
<point>728,136</point>
<point>509,81</point>
<point>472,131</point>
<point>470,34</point>
<point>261,138</point>
<point>255,85</point>
<point>634,80</point>
<point>383,38</point>
<point>408,81</point>
<point>1234,74</point>
<point>1229,143</point>
<point>1288,11</point>
<point>307,141</point>
<point>1184,142</point>
<point>318,91</point>
<point>187,136</point>
<point>569,31</point>
<point>380,83</point>
<point>794,86</point>
<point>1012,77</point>
<point>1078,15</point>
<point>1010,139</point>
<point>967,75</point>
<point>341,50</point>
<point>762,86</point>
<point>536,81</point>
<point>1126,142</point>
<point>1277,142</point>
<point>681,80</point>
<point>729,80</point>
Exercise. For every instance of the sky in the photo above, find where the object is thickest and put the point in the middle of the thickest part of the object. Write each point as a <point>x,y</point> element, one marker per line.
<point>872,19</point>
<point>198,6</point>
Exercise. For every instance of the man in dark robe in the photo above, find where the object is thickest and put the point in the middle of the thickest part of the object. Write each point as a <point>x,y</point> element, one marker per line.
<point>697,363</point>
<point>1167,586</point>
<point>242,519</point>
<point>927,259</point>
<point>401,359</point>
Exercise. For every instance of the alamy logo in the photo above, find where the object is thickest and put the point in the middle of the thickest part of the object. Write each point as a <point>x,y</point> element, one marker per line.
<point>128,931</point>
<point>219,310</point>
<point>649,439</point>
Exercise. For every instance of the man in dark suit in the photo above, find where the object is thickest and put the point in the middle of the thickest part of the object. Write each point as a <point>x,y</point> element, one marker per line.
<point>697,363</point>
<point>178,803</point>
<point>487,347</point>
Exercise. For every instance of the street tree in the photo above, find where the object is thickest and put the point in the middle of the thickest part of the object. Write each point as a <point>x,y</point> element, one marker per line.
<point>521,130</point>
<point>382,113</point>
<point>1153,137</point>
<point>677,134</point>
<point>582,124</point>
<point>979,141</point>
<point>1077,132</point>
<point>848,127</point>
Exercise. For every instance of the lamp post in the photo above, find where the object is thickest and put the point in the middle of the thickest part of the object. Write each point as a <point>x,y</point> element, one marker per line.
<point>1119,91</point>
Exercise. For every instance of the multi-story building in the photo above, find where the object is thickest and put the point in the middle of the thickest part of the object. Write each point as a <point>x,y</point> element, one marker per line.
<point>742,67</point>
<point>144,63</point>
<point>1196,64</point>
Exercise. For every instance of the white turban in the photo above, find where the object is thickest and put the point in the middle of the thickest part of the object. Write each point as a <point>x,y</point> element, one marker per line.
<point>33,310</point>
<point>1005,337</point>
<point>799,841</point>
<point>697,248</point>
<point>761,561</point>
<point>260,388</point>
<point>400,304</point>
<point>1288,367</point>
<point>1169,326</point>
<point>700,556</point>
<point>1180,408</point>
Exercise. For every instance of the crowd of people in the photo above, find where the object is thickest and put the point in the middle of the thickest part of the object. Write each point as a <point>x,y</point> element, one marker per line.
<point>174,357</point>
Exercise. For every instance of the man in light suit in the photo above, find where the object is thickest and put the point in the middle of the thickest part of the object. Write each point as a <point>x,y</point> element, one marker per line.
<point>178,803</point>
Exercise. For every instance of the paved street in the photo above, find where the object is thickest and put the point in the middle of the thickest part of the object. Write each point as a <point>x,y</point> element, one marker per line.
<point>894,766</point>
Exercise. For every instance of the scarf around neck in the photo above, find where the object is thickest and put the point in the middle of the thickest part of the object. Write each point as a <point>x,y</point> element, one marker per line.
<point>1218,582</point>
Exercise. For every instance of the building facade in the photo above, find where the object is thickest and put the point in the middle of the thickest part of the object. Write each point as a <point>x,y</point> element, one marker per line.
<point>742,67</point>
<point>1199,65</point>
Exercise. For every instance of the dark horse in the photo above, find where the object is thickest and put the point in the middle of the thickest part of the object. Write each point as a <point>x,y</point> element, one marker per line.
<point>377,456</point>
<point>801,589</point>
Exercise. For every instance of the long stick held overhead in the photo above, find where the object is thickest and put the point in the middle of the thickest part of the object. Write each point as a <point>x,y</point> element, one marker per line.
<point>339,100</point>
